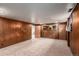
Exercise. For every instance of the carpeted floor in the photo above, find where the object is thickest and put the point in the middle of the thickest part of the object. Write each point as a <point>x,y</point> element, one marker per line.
<point>38,47</point>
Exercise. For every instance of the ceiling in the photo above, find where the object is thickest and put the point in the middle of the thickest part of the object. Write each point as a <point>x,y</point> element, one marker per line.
<point>38,13</point>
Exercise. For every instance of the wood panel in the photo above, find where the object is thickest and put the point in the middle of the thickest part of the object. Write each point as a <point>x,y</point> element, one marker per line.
<point>37,31</point>
<point>48,32</point>
<point>58,32</point>
<point>74,35</point>
<point>12,32</point>
<point>62,31</point>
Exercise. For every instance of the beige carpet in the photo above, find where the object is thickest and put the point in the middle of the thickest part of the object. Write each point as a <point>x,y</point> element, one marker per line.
<point>38,47</point>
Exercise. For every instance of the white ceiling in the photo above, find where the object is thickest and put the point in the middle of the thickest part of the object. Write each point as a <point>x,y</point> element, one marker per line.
<point>37,13</point>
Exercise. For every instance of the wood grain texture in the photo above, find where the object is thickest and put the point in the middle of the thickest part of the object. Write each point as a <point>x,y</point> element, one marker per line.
<point>74,35</point>
<point>12,32</point>
<point>62,31</point>
<point>38,31</point>
<point>59,33</point>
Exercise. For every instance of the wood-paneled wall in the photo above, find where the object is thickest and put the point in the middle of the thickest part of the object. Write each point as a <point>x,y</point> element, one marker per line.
<point>37,31</point>
<point>12,32</point>
<point>59,33</point>
<point>62,31</point>
<point>50,34</point>
<point>74,35</point>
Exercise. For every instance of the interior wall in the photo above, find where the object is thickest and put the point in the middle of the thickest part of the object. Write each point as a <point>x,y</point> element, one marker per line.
<point>58,33</point>
<point>74,35</point>
<point>62,31</point>
<point>12,31</point>
<point>37,31</point>
<point>48,33</point>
